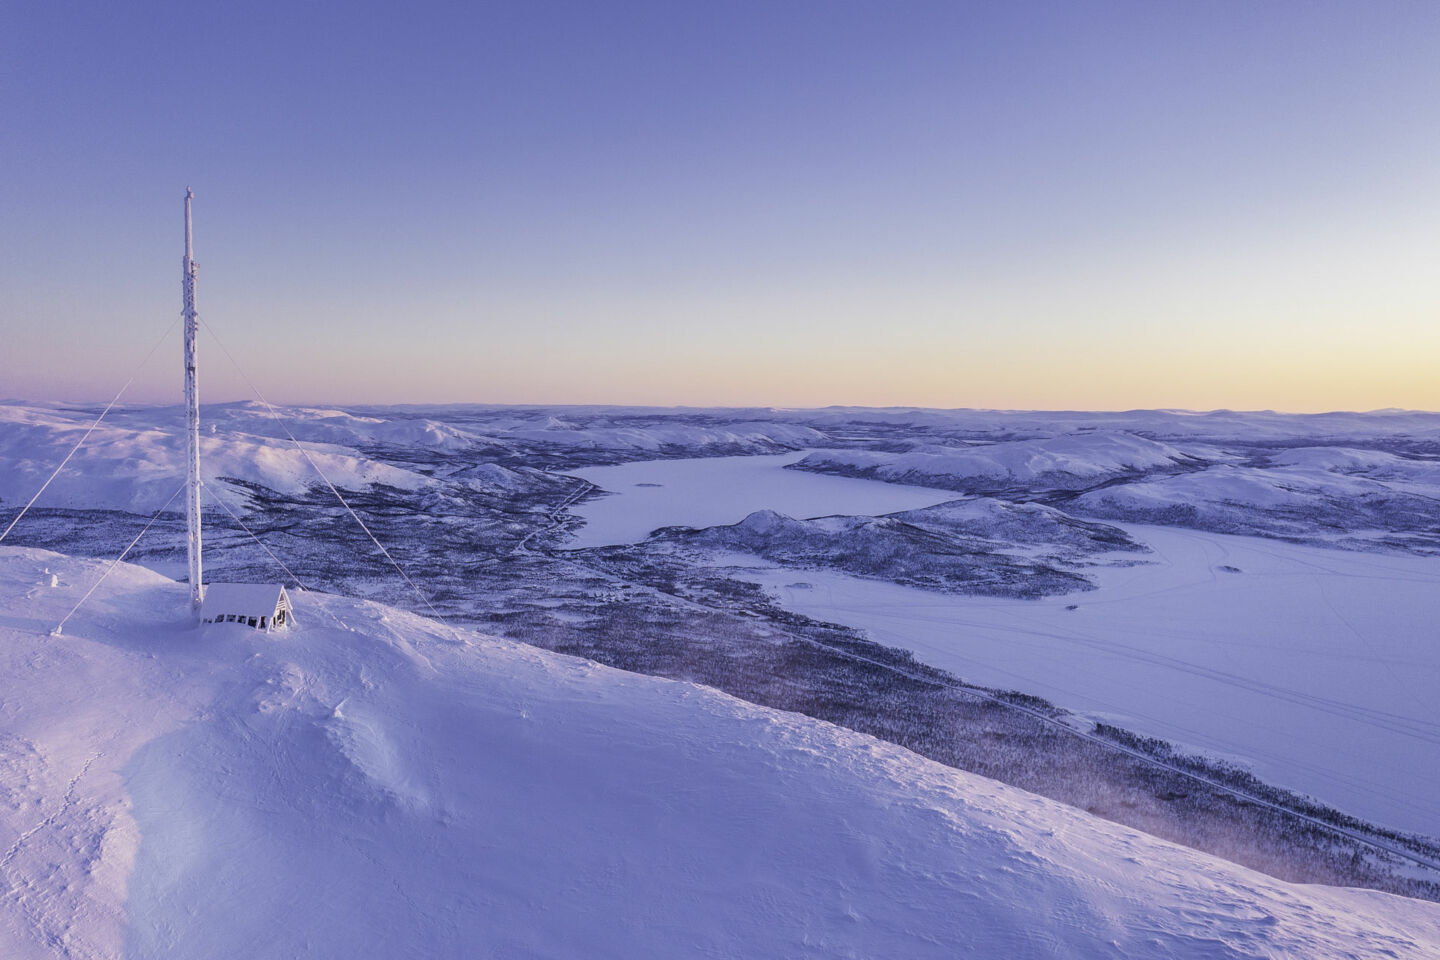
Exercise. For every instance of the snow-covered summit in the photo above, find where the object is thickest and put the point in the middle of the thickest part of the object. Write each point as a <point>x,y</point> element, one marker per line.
<point>376,784</point>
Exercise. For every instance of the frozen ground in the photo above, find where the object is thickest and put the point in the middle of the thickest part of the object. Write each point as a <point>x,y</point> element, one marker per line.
<point>374,784</point>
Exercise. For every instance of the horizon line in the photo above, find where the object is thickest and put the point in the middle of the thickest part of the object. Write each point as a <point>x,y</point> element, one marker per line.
<point>789,408</point>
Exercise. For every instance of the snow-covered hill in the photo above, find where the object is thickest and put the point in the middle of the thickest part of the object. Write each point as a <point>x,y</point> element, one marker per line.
<point>135,459</point>
<point>1067,462</point>
<point>135,463</point>
<point>375,784</point>
<point>888,548</point>
<point>1356,498</point>
<point>1218,426</point>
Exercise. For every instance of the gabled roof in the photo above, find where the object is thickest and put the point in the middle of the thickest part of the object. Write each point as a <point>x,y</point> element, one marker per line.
<point>252,599</point>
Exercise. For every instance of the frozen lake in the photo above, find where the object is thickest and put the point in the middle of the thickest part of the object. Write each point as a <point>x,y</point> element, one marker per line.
<point>1317,668</point>
<point>711,491</point>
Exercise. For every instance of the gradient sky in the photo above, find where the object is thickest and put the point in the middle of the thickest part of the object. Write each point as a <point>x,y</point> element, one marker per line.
<point>1099,205</point>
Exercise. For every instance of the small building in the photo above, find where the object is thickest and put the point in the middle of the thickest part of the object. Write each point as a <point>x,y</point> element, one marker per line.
<point>264,606</point>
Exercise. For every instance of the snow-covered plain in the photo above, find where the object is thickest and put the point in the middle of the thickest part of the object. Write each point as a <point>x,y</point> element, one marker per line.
<point>721,490</point>
<point>373,784</point>
<point>1317,668</point>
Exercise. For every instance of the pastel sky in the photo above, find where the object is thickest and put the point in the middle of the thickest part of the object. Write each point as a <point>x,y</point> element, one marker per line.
<point>1098,205</point>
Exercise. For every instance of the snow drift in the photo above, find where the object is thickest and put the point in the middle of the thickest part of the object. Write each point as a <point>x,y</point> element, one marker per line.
<point>375,784</point>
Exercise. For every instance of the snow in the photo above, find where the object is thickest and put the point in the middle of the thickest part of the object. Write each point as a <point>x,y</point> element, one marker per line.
<point>1313,667</point>
<point>250,599</point>
<point>374,784</point>
<point>1256,426</point>
<point>1357,498</point>
<point>1364,462</point>
<point>138,466</point>
<point>650,494</point>
<point>1316,668</point>
<point>653,437</point>
<point>1065,459</point>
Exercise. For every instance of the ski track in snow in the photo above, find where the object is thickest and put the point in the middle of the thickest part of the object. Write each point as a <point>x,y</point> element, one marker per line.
<point>65,804</point>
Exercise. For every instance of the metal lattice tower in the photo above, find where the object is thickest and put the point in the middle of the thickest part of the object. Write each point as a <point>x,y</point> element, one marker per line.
<point>192,414</point>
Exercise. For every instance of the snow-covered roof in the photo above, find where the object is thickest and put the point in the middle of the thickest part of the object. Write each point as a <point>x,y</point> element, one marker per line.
<point>251,599</point>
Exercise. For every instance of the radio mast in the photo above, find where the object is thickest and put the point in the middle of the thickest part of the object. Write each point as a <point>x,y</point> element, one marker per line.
<point>192,414</point>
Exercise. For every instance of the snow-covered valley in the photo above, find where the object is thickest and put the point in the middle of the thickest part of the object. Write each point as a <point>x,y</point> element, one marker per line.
<point>1248,677</point>
<point>1296,662</point>
<point>1309,665</point>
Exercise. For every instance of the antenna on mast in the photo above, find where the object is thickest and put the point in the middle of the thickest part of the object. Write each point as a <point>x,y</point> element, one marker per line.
<point>192,414</point>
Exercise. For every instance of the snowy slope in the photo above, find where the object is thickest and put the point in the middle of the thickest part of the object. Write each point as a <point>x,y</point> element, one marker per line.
<point>638,431</point>
<point>374,784</point>
<point>1066,462</point>
<point>1351,497</point>
<point>136,462</point>
<point>341,427</point>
